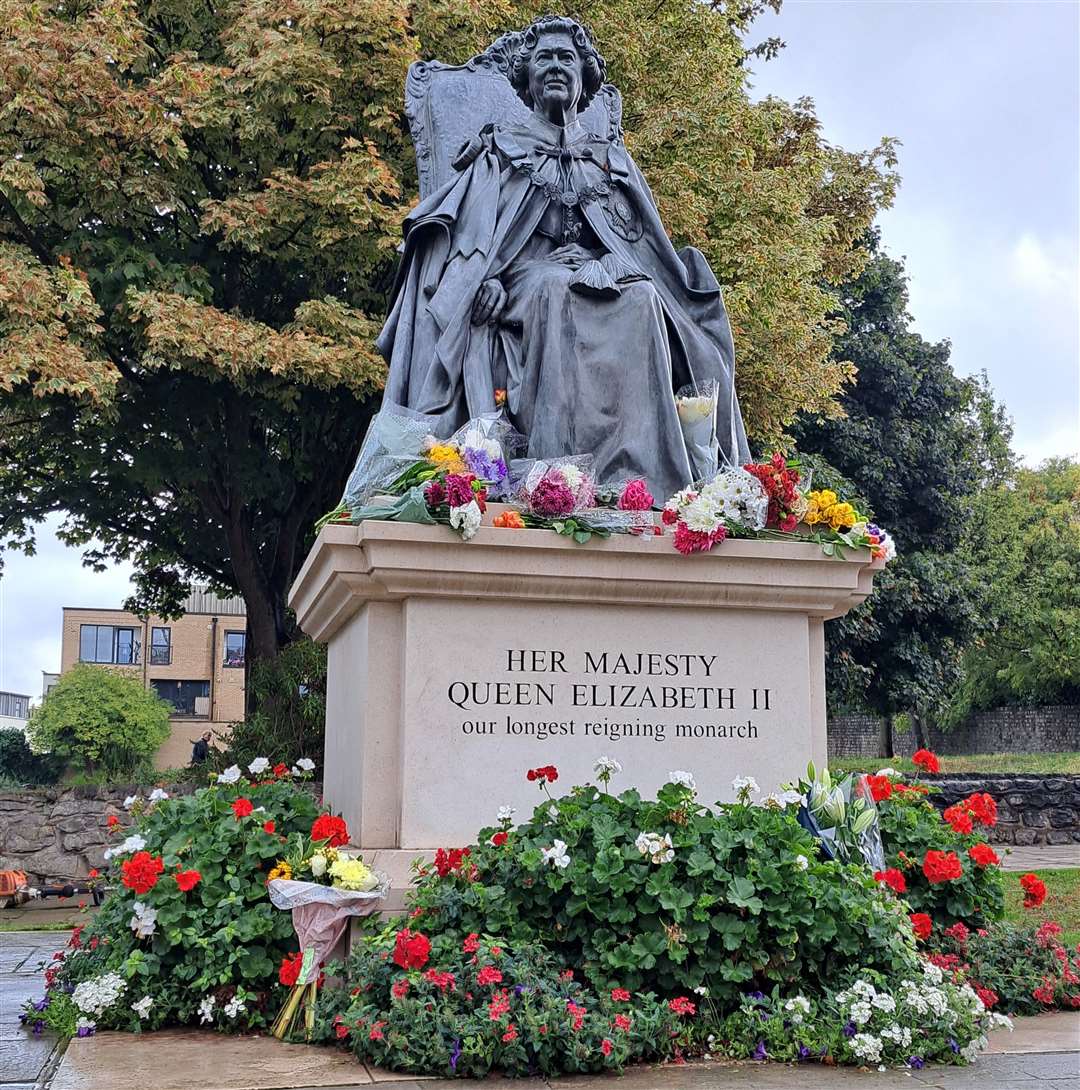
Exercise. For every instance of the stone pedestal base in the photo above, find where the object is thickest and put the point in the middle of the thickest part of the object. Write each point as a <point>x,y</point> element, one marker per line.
<point>454,667</point>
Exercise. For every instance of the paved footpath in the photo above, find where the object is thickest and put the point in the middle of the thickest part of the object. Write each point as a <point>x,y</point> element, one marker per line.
<point>1041,857</point>
<point>1041,1054</point>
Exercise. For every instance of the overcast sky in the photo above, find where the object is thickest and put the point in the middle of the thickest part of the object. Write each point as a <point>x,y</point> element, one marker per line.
<point>984,97</point>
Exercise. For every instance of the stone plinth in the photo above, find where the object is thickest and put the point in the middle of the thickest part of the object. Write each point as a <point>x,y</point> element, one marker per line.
<point>456,666</point>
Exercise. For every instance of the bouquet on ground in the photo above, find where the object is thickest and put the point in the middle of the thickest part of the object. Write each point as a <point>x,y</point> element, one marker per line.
<point>406,473</point>
<point>322,884</point>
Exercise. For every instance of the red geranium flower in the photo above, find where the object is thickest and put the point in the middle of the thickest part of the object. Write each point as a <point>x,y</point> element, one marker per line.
<point>411,949</point>
<point>921,924</point>
<point>983,807</point>
<point>242,807</point>
<point>93,873</point>
<point>112,821</point>
<point>926,760</point>
<point>959,819</point>
<point>268,827</point>
<point>893,878</point>
<point>545,774</point>
<point>281,769</point>
<point>500,838</point>
<point>620,995</point>
<point>1034,890</point>
<point>447,861</point>
<point>330,828</point>
<point>941,867</point>
<point>489,975</point>
<point>987,995</point>
<point>880,787</point>
<point>187,879</point>
<point>140,872</point>
<point>681,1005</point>
<point>983,855</point>
<point>289,970</point>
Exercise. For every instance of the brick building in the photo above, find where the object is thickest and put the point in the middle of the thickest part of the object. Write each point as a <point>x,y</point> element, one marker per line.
<point>195,663</point>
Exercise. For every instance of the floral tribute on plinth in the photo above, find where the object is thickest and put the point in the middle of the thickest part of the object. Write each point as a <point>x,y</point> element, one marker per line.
<point>405,473</point>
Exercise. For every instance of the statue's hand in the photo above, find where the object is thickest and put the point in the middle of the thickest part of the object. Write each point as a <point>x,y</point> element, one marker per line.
<point>490,301</point>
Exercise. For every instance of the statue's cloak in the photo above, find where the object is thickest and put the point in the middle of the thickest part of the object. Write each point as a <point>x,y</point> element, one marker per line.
<point>481,221</point>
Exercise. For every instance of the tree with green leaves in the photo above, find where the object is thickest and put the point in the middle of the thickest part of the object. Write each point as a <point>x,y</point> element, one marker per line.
<point>1025,543</point>
<point>101,722</point>
<point>918,444</point>
<point>199,209</point>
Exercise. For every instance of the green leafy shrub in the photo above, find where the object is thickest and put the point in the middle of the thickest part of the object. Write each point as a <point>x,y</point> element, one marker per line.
<point>102,723</point>
<point>189,923</point>
<point>468,1005</point>
<point>20,766</point>
<point>1020,970</point>
<point>910,828</point>
<point>288,695</point>
<point>668,895</point>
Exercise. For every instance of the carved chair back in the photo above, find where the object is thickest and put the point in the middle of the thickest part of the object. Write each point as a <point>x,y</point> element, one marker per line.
<point>447,105</point>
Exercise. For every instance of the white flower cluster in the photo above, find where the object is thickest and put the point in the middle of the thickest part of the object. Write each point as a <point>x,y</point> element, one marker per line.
<point>230,775</point>
<point>658,848</point>
<point>798,1007</point>
<point>506,813</point>
<point>466,519</point>
<point>144,920</point>
<point>557,855</point>
<point>782,800</point>
<point>133,843</point>
<point>304,765</point>
<point>867,1047</point>
<point>142,1008</point>
<point>895,1032</point>
<point>259,766</point>
<point>745,787</point>
<point>158,795</point>
<point>234,1007</point>
<point>737,496</point>
<point>130,801</point>
<point>683,779</point>
<point>97,995</point>
<point>206,1010</point>
<point>606,767</point>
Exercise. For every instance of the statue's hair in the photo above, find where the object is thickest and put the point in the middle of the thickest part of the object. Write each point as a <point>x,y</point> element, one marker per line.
<point>593,67</point>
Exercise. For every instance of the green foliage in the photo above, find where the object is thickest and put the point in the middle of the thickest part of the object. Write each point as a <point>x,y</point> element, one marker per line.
<point>910,827</point>
<point>288,695</point>
<point>101,722</point>
<point>916,444</point>
<point>20,766</point>
<point>743,903</point>
<point>222,939</point>
<point>1026,543</point>
<point>198,219</point>
<point>420,1029</point>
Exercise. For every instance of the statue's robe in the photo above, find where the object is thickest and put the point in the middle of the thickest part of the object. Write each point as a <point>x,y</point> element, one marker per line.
<point>603,320</point>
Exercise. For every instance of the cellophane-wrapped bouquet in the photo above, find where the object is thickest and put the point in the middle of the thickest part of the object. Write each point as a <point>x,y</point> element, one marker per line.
<point>696,406</point>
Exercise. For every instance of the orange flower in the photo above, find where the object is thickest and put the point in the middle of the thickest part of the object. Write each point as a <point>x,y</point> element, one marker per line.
<point>509,520</point>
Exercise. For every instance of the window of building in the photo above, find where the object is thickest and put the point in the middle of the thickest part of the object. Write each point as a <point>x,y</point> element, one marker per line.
<point>15,705</point>
<point>160,646</point>
<point>188,698</point>
<point>235,645</point>
<point>108,643</point>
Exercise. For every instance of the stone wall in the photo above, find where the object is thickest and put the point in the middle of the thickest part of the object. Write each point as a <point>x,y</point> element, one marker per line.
<point>1031,809</point>
<point>57,833</point>
<point>1049,729</point>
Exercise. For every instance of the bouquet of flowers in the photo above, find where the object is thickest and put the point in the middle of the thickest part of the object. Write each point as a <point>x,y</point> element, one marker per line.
<point>696,406</point>
<point>733,500</point>
<point>405,473</point>
<point>838,523</point>
<point>843,816</point>
<point>322,884</point>
<point>780,479</point>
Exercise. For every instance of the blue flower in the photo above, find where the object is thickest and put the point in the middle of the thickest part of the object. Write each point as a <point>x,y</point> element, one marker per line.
<point>41,1004</point>
<point>850,1029</point>
<point>759,1052</point>
<point>85,1031</point>
<point>803,1052</point>
<point>38,1028</point>
<point>455,1055</point>
<point>916,1062</point>
<point>953,1045</point>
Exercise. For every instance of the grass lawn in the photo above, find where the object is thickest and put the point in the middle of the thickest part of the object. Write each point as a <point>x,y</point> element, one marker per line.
<point>1062,901</point>
<point>1045,763</point>
<point>35,925</point>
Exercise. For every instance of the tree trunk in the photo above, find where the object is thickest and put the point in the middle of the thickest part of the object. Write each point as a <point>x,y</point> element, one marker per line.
<point>885,736</point>
<point>918,734</point>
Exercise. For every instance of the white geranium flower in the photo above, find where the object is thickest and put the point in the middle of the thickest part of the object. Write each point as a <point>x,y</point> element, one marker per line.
<point>683,779</point>
<point>230,775</point>
<point>133,843</point>
<point>144,920</point>
<point>259,766</point>
<point>802,862</point>
<point>158,795</point>
<point>467,519</point>
<point>658,848</point>
<point>606,766</point>
<point>745,787</point>
<point>130,801</point>
<point>506,813</point>
<point>703,992</point>
<point>888,772</point>
<point>206,1010</point>
<point>306,764</point>
<point>234,1007</point>
<point>142,1008</point>
<point>556,855</point>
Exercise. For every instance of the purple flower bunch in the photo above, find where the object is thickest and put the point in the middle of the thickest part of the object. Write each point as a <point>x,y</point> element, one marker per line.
<point>552,496</point>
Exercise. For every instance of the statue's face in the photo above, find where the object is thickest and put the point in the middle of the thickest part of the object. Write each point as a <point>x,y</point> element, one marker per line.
<point>555,72</point>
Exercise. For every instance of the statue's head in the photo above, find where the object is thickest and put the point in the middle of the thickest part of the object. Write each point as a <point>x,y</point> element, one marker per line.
<point>556,60</point>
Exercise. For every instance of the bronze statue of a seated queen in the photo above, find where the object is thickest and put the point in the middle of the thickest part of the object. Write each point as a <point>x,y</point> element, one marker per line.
<point>540,266</point>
